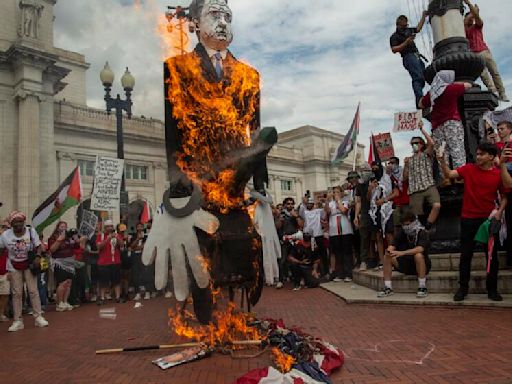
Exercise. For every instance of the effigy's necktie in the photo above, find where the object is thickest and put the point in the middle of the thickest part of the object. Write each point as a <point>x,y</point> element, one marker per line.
<point>218,65</point>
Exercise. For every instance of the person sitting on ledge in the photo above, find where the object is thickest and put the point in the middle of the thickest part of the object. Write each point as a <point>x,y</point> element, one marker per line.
<point>482,184</point>
<point>446,118</point>
<point>408,254</point>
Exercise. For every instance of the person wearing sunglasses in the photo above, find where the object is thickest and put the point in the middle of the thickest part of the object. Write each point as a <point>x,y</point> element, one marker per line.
<point>418,173</point>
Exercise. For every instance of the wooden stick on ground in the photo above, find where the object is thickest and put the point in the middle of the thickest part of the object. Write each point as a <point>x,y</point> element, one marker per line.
<point>172,346</point>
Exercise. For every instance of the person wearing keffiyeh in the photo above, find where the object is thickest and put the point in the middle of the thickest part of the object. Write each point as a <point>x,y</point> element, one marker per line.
<point>446,118</point>
<point>408,254</point>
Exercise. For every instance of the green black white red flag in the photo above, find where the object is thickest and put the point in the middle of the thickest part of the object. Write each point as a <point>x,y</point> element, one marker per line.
<point>66,196</point>
<point>350,140</point>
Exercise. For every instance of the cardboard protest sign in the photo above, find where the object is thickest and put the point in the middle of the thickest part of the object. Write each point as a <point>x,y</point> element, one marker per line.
<point>407,121</point>
<point>384,146</point>
<point>107,184</point>
<point>88,224</point>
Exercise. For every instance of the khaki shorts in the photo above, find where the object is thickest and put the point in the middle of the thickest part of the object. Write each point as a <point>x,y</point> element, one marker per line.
<point>431,195</point>
<point>5,285</point>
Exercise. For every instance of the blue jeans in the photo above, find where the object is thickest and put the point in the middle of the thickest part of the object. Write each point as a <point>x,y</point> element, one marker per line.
<point>414,65</point>
<point>41,286</point>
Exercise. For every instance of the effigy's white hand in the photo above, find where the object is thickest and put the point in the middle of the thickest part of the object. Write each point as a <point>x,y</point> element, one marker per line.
<point>175,238</point>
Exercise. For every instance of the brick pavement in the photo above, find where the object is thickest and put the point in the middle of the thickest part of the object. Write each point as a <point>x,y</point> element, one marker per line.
<point>384,344</point>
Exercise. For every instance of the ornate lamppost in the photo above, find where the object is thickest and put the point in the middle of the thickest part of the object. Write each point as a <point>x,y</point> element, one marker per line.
<point>120,105</point>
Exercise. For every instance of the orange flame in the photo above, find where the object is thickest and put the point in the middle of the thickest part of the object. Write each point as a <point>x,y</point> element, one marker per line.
<point>225,328</point>
<point>214,119</point>
<point>284,362</point>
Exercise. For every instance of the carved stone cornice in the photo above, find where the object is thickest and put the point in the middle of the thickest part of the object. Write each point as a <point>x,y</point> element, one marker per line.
<point>66,156</point>
<point>21,94</point>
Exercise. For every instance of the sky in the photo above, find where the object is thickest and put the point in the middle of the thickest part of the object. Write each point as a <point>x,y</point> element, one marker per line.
<point>317,59</point>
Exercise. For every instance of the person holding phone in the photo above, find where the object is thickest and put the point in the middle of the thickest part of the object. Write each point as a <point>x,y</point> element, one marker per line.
<point>141,274</point>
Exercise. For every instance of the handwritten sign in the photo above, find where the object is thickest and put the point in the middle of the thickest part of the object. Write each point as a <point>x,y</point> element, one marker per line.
<point>407,121</point>
<point>88,224</point>
<point>384,146</point>
<point>107,184</point>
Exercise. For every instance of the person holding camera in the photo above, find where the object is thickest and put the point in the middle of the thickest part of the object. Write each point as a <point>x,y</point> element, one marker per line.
<point>24,255</point>
<point>287,225</point>
<point>402,41</point>
<point>142,275</point>
<point>62,245</point>
<point>109,261</point>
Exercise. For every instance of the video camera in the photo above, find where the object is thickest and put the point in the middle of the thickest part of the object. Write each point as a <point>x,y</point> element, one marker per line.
<point>408,32</point>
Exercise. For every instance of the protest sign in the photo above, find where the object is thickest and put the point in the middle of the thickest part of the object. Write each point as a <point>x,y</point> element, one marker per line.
<point>107,184</point>
<point>407,121</point>
<point>384,146</point>
<point>88,224</point>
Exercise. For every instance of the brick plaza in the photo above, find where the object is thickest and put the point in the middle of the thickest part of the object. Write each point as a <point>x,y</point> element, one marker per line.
<point>383,344</point>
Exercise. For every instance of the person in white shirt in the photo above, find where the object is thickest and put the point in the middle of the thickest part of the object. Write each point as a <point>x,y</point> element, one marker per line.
<point>24,252</point>
<point>341,235</point>
<point>312,217</point>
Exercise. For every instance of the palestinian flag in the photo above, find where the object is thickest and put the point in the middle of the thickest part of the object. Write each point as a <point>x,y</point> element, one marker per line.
<point>66,196</point>
<point>350,140</point>
<point>145,216</point>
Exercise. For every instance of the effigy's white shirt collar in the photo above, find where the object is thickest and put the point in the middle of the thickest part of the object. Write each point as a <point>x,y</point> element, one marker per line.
<point>212,52</point>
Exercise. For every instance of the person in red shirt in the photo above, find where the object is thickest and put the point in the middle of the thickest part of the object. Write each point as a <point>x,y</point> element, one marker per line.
<point>482,185</point>
<point>474,25</point>
<point>109,261</point>
<point>446,119</point>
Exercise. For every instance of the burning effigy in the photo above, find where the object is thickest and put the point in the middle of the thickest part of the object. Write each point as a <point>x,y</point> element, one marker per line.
<point>204,232</point>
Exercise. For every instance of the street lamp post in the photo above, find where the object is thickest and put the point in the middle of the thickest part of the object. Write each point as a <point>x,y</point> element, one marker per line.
<point>120,105</point>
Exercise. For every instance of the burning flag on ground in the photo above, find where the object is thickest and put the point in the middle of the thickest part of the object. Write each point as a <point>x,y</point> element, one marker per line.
<point>66,196</point>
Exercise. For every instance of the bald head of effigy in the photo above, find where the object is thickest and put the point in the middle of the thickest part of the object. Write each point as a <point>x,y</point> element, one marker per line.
<point>212,19</point>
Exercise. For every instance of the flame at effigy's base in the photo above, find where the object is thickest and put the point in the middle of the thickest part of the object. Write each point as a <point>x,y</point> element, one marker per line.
<point>294,353</point>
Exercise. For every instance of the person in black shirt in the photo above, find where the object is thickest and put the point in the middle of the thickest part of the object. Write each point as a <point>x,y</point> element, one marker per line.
<point>304,263</point>
<point>402,41</point>
<point>408,254</point>
<point>286,225</point>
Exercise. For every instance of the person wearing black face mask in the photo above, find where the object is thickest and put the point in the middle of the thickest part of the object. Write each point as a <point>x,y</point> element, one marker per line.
<point>402,41</point>
<point>419,174</point>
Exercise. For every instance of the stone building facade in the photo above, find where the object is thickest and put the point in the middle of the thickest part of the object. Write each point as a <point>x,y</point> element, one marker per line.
<point>47,129</point>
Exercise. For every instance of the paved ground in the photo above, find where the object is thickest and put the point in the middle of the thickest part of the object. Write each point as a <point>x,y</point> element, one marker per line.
<point>383,344</point>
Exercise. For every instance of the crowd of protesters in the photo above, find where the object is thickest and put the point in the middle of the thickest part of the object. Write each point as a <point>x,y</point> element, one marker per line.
<point>69,270</point>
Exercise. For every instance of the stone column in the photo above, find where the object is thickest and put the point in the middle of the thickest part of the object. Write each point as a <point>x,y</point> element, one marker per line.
<point>28,167</point>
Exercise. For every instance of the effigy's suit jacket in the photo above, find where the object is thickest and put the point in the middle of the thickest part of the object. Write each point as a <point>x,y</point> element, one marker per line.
<point>217,111</point>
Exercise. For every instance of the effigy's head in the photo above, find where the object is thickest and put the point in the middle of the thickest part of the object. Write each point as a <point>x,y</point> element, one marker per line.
<point>212,19</point>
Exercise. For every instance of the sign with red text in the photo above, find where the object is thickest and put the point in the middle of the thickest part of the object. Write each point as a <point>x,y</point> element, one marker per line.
<point>384,146</point>
<point>407,121</point>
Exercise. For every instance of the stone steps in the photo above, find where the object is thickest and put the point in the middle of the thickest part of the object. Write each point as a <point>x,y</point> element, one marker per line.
<point>450,261</point>
<point>437,281</point>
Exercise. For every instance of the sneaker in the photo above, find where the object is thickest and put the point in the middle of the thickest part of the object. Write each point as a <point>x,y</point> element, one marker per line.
<point>337,279</point>
<point>100,302</point>
<point>279,285</point>
<point>495,296</point>
<point>108,296</point>
<point>460,295</point>
<point>121,300</point>
<point>68,306</point>
<point>347,279</point>
<point>147,296</point>
<point>379,267</point>
<point>137,297</point>
<point>362,267</point>
<point>154,294</point>
<point>61,307</point>
<point>168,295</point>
<point>41,322</point>
<point>297,288</point>
<point>93,298</point>
<point>385,292</point>
<point>3,318</point>
<point>17,325</point>
<point>422,292</point>
<point>30,311</point>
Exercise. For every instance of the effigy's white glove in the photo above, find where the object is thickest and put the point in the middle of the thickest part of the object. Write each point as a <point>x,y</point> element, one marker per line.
<point>176,238</point>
